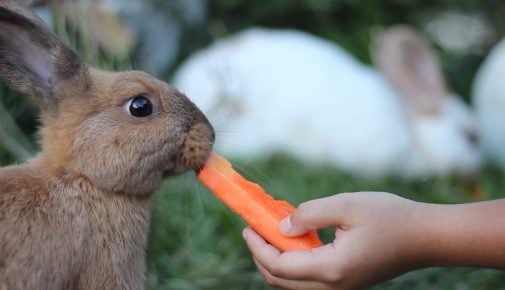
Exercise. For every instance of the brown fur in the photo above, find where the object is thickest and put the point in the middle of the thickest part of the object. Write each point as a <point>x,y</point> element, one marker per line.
<point>77,216</point>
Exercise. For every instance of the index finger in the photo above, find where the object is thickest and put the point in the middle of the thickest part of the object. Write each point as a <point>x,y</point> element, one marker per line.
<point>317,213</point>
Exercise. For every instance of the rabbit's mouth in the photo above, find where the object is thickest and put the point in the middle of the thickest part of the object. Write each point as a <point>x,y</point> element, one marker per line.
<point>194,151</point>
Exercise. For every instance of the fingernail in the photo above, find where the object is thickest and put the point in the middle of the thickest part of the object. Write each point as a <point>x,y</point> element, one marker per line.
<point>285,225</point>
<point>244,235</point>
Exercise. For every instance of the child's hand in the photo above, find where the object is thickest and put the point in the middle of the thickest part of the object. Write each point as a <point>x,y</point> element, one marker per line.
<point>374,240</point>
<point>379,236</point>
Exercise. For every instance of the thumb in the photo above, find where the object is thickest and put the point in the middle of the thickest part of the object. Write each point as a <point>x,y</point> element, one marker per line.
<point>312,215</point>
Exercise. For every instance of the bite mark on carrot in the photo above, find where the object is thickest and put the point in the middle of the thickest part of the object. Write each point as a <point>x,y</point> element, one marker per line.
<point>257,208</point>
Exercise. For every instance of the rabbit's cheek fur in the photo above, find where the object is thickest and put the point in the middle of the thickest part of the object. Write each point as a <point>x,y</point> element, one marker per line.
<point>122,154</point>
<point>121,157</point>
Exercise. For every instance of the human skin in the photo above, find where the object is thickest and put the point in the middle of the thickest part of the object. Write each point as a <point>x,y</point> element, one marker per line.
<point>379,236</point>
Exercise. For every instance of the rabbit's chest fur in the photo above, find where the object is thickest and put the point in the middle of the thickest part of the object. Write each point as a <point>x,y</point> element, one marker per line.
<point>68,235</point>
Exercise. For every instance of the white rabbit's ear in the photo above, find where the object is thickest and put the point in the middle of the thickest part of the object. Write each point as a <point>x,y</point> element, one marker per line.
<point>32,59</point>
<point>408,61</point>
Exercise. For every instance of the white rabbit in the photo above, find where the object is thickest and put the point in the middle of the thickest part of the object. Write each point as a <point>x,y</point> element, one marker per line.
<point>286,90</point>
<point>489,101</point>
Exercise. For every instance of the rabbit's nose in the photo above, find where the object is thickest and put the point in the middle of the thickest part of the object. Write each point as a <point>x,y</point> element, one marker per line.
<point>213,136</point>
<point>197,146</point>
<point>212,133</point>
<point>200,118</point>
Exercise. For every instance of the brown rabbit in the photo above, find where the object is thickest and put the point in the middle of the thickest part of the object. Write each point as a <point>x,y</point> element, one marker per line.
<point>77,215</point>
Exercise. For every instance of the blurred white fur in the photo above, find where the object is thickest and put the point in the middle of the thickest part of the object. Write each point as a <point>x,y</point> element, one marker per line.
<point>286,90</point>
<point>489,102</point>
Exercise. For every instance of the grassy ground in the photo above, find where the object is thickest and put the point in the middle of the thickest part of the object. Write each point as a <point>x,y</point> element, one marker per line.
<point>196,243</point>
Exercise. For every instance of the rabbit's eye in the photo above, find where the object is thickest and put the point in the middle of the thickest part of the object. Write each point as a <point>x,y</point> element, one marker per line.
<point>140,107</point>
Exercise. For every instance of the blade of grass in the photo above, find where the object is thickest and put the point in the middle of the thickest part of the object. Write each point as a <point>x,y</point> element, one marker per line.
<point>12,138</point>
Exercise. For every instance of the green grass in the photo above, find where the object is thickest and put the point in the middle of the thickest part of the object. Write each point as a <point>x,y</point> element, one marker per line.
<point>196,243</point>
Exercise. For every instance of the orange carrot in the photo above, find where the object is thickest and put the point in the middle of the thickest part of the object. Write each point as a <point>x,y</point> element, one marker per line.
<point>258,209</point>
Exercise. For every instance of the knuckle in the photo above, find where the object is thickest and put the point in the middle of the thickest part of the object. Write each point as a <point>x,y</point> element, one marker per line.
<point>332,277</point>
<point>271,280</point>
<point>270,277</point>
<point>275,269</point>
<point>303,212</point>
<point>347,202</point>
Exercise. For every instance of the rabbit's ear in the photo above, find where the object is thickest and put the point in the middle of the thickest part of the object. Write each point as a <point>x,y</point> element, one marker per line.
<point>408,61</point>
<point>32,59</point>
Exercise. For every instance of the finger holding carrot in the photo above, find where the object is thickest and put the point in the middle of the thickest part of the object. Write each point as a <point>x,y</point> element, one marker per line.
<point>365,241</point>
<point>379,236</point>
